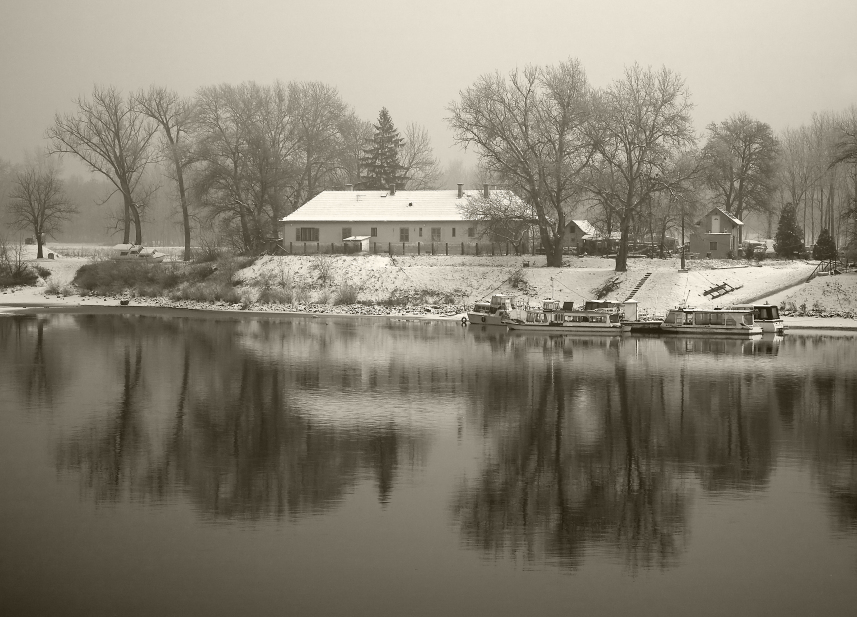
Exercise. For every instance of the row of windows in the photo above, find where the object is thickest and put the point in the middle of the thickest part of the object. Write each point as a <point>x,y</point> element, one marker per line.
<point>310,234</point>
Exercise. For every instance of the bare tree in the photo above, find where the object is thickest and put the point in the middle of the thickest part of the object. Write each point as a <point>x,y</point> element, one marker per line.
<point>420,165</point>
<point>642,126</point>
<point>502,216</point>
<point>174,116</point>
<point>112,136</point>
<point>532,131</point>
<point>740,158</point>
<point>38,202</point>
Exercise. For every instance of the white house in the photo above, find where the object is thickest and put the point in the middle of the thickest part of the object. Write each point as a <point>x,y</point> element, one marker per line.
<point>385,216</point>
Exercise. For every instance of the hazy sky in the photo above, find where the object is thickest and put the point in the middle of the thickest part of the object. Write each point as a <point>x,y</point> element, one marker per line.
<point>779,61</point>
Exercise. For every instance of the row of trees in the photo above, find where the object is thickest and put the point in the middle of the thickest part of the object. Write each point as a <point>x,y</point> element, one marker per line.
<point>627,156</point>
<point>238,157</point>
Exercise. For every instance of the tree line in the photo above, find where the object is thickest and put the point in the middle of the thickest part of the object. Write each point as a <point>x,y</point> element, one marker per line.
<point>627,156</point>
<point>237,158</point>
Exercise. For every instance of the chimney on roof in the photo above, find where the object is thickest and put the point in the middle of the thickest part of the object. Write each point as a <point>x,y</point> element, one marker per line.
<point>349,187</point>
<point>460,190</point>
<point>393,190</point>
<point>485,191</point>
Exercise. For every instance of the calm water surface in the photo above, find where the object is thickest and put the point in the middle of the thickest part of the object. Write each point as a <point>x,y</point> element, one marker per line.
<point>167,465</point>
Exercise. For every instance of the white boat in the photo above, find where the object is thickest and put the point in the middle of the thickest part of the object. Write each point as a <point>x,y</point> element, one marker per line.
<point>594,317</point>
<point>729,322</point>
<point>495,312</point>
<point>765,315</point>
<point>136,252</point>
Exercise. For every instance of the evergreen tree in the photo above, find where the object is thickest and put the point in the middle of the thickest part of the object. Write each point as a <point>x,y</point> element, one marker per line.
<point>824,248</point>
<point>381,159</point>
<point>788,242</point>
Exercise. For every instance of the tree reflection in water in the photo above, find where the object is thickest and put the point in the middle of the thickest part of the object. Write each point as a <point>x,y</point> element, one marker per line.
<point>239,443</point>
<point>592,444</point>
<point>550,492</point>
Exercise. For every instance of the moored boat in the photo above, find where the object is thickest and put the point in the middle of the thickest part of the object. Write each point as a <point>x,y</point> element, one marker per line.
<point>554,317</point>
<point>767,316</point>
<point>729,322</point>
<point>495,312</point>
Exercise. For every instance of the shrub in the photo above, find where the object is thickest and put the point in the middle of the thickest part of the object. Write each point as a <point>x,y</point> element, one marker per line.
<point>323,297</point>
<point>322,265</point>
<point>42,271</point>
<point>346,294</point>
<point>274,295</point>
<point>517,277</point>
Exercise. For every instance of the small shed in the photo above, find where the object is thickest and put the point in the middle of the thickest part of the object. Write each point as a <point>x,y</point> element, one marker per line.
<point>356,244</point>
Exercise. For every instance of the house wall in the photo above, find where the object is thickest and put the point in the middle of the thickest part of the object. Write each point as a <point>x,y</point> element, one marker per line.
<point>701,244</point>
<point>573,236</point>
<point>715,227</point>
<point>387,231</point>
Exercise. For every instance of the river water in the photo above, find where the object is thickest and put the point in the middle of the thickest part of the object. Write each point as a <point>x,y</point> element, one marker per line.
<point>171,465</point>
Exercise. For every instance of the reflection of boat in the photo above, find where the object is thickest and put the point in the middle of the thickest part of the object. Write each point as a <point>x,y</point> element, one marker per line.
<point>136,252</point>
<point>595,317</point>
<point>767,316</point>
<point>712,345</point>
<point>731,322</point>
<point>496,312</point>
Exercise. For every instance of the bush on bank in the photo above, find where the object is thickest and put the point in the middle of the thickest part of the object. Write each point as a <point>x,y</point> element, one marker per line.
<point>204,282</point>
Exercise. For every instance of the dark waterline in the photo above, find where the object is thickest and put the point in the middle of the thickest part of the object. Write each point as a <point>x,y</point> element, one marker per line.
<point>177,466</point>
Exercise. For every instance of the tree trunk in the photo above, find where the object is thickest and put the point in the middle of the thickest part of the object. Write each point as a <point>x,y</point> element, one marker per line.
<point>185,215</point>
<point>622,253</point>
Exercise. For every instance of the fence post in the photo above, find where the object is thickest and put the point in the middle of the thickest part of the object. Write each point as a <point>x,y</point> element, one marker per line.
<point>290,247</point>
<point>507,249</point>
<point>447,249</point>
<point>403,248</point>
<point>462,248</point>
<point>477,249</point>
<point>418,248</point>
<point>390,248</point>
<point>304,248</point>
<point>432,248</point>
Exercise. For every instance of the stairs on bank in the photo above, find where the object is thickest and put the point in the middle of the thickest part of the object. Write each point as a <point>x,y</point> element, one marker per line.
<point>638,285</point>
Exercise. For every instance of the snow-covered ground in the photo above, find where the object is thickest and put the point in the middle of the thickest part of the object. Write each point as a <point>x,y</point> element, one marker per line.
<point>464,279</point>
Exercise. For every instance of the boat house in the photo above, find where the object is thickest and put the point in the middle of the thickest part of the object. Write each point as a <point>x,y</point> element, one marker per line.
<point>718,235</point>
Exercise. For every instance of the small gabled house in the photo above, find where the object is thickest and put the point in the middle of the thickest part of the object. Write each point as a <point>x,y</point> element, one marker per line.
<point>718,235</point>
<point>384,217</point>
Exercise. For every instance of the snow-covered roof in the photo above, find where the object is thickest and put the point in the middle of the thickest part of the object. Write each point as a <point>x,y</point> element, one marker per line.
<point>354,206</point>
<point>731,217</point>
<point>586,227</point>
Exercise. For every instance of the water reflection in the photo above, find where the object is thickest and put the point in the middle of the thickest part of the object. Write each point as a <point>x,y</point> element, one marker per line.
<point>581,443</point>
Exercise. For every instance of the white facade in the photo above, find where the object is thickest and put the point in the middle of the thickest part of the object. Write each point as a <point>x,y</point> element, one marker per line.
<point>385,216</point>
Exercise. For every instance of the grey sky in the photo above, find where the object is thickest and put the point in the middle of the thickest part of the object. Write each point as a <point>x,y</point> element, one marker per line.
<point>778,61</point>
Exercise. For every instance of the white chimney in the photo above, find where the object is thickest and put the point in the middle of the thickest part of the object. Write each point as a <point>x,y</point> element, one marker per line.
<point>460,190</point>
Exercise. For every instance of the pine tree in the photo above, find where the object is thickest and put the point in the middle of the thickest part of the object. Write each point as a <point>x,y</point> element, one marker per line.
<point>788,242</point>
<point>824,248</point>
<point>381,160</point>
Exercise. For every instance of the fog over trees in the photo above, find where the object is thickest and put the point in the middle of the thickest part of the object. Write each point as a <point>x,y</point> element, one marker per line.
<point>223,166</point>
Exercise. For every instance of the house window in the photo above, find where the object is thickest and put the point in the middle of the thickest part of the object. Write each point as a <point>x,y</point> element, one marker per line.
<point>373,231</point>
<point>471,232</point>
<point>306,234</point>
<point>435,234</point>
<point>421,232</point>
<point>453,232</point>
<point>346,232</point>
<point>404,235</point>
<point>712,246</point>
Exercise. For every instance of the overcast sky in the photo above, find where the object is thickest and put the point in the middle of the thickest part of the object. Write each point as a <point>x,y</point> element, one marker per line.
<point>779,61</point>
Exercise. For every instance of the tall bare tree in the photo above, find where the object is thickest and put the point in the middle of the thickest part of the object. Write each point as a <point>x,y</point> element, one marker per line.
<point>531,130</point>
<point>38,202</point>
<point>740,157</point>
<point>174,117</point>
<point>642,127</point>
<point>111,135</point>
<point>421,167</point>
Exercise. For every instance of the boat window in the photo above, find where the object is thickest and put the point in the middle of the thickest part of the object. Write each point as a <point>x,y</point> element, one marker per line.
<point>716,319</point>
<point>688,319</point>
<point>730,320</point>
<point>748,319</point>
<point>701,319</point>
